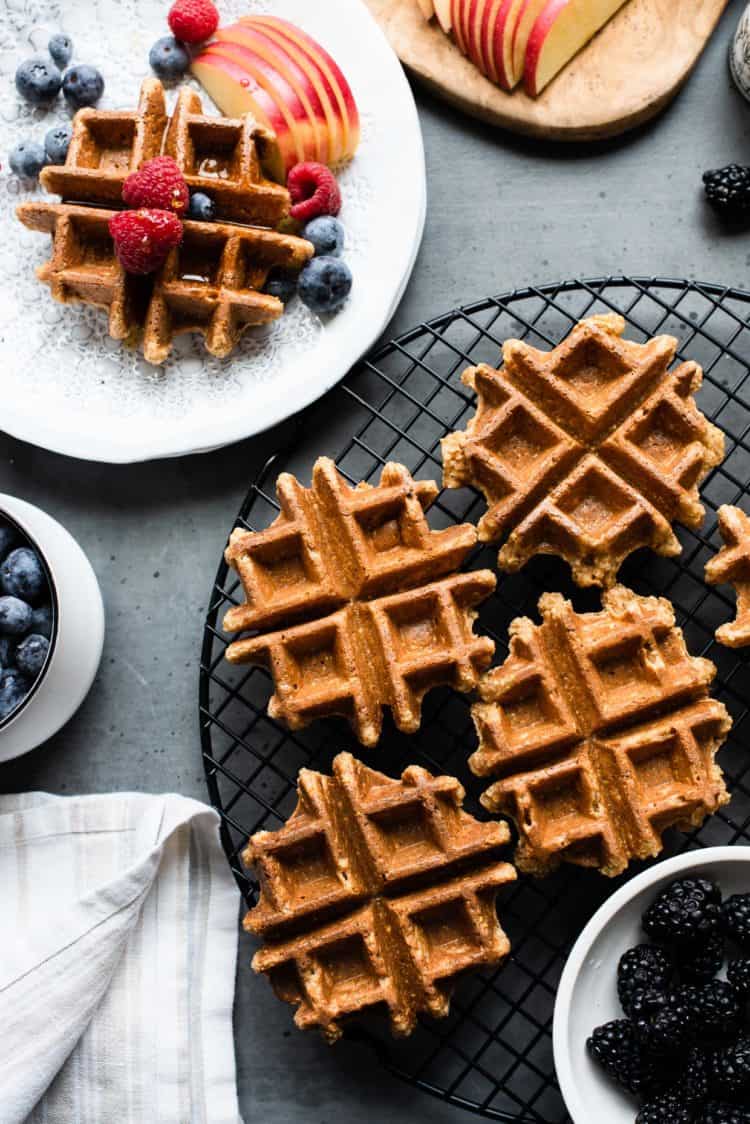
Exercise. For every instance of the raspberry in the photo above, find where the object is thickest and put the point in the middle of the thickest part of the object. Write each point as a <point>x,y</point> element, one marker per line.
<point>144,238</point>
<point>193,21</point>
<point>157,183</point>
<point>643,968</point>
<point>314,191</point>
<point>616,1049</point>
<point>686,911</point>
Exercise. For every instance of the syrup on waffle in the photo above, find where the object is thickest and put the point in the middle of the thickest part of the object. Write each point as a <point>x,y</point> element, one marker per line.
<point>732,565</point>
<point>376,893</point>
<point>600,733</point>
<point>356,601</point>
<point>588,451</point>
<point>212,283</point>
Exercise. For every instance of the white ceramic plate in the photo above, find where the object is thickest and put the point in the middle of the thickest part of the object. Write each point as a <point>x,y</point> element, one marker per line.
<point>587,995</point>
<point>67,386</point>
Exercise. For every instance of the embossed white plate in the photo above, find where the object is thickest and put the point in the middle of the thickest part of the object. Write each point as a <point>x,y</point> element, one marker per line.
<point>66,385</point>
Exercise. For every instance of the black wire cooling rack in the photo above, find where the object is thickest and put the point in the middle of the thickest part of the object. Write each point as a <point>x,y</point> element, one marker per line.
<point>494,1053</point>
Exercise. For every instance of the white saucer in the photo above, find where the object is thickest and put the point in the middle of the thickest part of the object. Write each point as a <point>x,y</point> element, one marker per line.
<point>80,636</point>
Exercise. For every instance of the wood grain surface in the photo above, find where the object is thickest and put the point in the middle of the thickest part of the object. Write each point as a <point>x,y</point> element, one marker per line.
<point>623,77</point>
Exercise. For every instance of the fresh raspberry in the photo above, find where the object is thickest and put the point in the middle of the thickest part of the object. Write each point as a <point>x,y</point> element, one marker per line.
<point>157,183</point>
<point>144,238</point>
<point>314,191</point>
<point>193,21</point>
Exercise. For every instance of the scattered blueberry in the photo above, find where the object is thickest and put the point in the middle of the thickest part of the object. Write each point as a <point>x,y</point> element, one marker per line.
<point>82,85</point>
<point>7,652</point>
<point>21,575</point>
<point>38,80</point>
<point>15,616</point>
<point>56,142</point>
<point>281,283</point>
<point>41,621</point>
<point>61,49</point>
<point>168,57</point>
<point>27,159</point>
<point>31,654</point>
<point>324,284</point>
<point>326,235</point>
<point>202,207</point>
<point>13,690</point>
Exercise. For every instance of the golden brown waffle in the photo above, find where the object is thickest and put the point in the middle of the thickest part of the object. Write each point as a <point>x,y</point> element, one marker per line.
<point>376,893</point>
<point>212,283</point>
<point>599,733</point>
<point>588,451</point>
<point>732,565</point>
<point>356,601</point>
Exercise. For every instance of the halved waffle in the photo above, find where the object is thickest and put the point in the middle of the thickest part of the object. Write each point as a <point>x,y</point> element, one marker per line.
<point>599,733</point>
<point>356,602</point>
<point>376,893</point>
<point>588,451</point>
<point>212,283</point>
<point>732,565</point>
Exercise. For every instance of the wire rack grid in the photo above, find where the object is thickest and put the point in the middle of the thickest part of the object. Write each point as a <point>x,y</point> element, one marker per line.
<point>493,1054</point>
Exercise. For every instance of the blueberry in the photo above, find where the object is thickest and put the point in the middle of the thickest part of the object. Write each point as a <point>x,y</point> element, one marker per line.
<point>38,80</point>
<point>15,616</point>
<point>31,654</point>
<point>82,85</point>
<point>13,690</point>
<point>281,283</point>
<point>324,284</point>
<point>168,57</point>
<point>202,207</point>
<point>326,235</point>
<point>41,621</point>
<point>21,575</point>
<point>27,159</point>
<point>7,652</point>
<point>61,49</point>
<point>8,536</point>
<point>56,142</point>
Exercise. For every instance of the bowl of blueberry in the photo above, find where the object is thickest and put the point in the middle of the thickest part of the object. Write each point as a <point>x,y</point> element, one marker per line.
<point>29,614</point>
<point>652,1016</point>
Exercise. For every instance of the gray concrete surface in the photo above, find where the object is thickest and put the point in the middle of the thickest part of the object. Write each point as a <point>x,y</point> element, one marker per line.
<point>502,212</point>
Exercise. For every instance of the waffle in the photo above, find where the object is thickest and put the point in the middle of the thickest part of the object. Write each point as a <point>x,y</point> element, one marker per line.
<point>588,451</point>
<point>599,733</point>
<point>355,602</point>
<point>376,893</point>
<point>212,282</point>
<point>732,565</point>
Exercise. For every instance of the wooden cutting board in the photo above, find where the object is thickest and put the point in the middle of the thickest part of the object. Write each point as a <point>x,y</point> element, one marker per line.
<point>626,74</point>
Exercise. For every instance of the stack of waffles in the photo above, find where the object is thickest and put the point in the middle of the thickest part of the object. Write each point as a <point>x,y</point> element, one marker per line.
<point>213,282</point>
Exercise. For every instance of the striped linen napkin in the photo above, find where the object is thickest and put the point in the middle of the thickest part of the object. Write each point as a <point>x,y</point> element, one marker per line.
<point>118,945</point>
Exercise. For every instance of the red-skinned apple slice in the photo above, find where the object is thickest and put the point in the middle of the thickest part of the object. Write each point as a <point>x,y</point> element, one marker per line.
<point>527,17</point>
<point>562,28</point>
<point>343,96</point>
<point>457,23</point>
<point>475,17</point>
<point>246,36</point>
<point>505,23</point>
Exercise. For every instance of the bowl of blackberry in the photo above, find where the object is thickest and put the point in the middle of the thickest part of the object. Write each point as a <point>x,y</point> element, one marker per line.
<point>28,618</point>
<point>652,1014</point>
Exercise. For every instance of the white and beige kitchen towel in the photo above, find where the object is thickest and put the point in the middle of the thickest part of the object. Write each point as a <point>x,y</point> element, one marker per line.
<point>118,938</point>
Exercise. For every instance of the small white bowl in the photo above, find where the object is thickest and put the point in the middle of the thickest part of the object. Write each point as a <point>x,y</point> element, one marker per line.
<point>587,995</point>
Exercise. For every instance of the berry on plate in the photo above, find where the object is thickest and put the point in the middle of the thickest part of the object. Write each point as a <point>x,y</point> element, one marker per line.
<point>202,207</point>
<point>281,283</point>
<point>82,85</point>
<point>193,21</point>
<point>686,910</point>
<point>645,967</point>
<point>27,159</point>
<point>738,975</point>
<point>326,235</point>
<point>157,183</point>
<point>324,284</point>
<point>617,1050</point>
<point>15,616</point>
<point>168,58</point>
<point>715,1007</point>
<point>736,918</point>
<point>314,190</point>
<point>57,142</point>
<point>60,48</point>
<point>700,962</point>
<point>718,1112</point>
<point>144,238</point>
<point>41,621</point>
<point>669,1108</point>
<point>8,538</point>
<point>13,690</point>
<point>38,80</point>
<point>21,575</point>
<point>730,1072</point>
<point>31,654</point>
<point>663,1024</point>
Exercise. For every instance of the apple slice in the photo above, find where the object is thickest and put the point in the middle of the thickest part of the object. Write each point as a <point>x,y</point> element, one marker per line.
<point>561,29</point>
<point>527,17</point>
<point>504,26</point>
<point>457,23</point>
<point>427,8</point>
<point>443,10</point>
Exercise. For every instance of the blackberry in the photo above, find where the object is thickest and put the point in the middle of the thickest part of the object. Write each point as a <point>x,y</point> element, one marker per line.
<point>736,917</point>
<point>738,974</point>
<point>715,1008</point>
<point>730,1071</point>
<point>663,1024</point>
<point>686,911</point>
<point>645,967</point>
<point>617,1050</point>
<point>728,189</point>
<point>694,1077</point>
<point>717,1112</point>
<point>669,1108</point>
<point>701,962</point>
